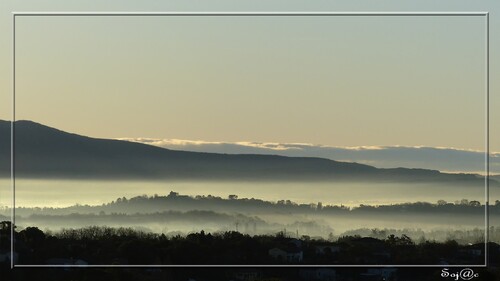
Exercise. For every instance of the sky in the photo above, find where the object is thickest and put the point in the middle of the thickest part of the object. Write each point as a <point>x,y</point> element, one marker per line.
<point>342,82</point>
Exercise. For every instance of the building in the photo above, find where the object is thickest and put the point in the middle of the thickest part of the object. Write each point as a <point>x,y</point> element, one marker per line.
<point>287,254</point>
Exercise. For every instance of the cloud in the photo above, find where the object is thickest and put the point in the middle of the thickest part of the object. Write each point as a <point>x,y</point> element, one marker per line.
<point>438,158</point>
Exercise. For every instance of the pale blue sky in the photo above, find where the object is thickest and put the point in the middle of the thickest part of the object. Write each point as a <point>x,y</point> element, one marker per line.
<point>332,81</point>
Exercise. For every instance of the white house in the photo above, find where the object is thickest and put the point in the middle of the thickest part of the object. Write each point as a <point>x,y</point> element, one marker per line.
<point>288,255</point>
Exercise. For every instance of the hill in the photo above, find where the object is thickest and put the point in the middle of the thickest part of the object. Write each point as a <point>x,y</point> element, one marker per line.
<point>45,152</point>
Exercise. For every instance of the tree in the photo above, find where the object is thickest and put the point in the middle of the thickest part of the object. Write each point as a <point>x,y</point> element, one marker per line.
<point>331,238</point>
<point>475,203</point>
<point>5,226</point>
<point>396,241</point>
<point>32,235</point>
<point>441,202</point>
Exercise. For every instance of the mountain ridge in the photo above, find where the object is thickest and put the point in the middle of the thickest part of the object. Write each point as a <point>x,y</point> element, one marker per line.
<point>46,152</point>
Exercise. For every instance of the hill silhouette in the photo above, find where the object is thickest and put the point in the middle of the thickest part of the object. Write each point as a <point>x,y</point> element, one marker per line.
<point>45,152</point>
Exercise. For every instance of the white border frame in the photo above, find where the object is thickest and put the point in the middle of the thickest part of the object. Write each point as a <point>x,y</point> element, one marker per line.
<point>212,14</point>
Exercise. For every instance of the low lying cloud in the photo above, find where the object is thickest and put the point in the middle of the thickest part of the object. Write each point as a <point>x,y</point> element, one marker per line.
<point>436,158</point>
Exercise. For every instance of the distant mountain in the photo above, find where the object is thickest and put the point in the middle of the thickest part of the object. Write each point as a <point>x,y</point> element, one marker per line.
<point>450,159</point>
<point>45,152</point>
